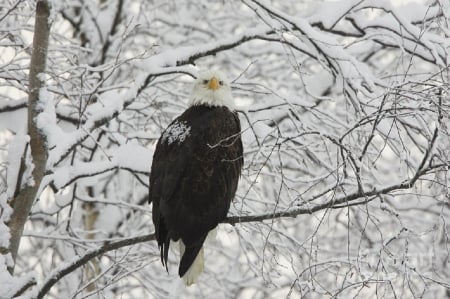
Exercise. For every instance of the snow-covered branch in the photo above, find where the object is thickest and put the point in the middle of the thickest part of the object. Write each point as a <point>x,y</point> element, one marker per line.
<point>77,262</point>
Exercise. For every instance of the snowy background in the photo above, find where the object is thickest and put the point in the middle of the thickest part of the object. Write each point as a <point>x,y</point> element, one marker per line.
<point>344,108</point>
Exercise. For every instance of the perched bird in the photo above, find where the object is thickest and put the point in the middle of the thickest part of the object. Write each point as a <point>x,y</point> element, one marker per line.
<point>195,172</point>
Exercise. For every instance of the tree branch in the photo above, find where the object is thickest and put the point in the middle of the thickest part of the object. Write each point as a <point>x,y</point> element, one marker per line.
<point>8,106</point>
<point>332,203</point>
<point>90,254</point>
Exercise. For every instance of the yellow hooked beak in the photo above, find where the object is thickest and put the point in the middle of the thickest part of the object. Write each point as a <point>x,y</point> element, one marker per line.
<point>213,83</point>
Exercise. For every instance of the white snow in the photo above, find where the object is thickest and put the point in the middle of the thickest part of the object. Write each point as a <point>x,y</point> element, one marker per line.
<point>5,215</point>
<point>15,151</point>
<point>10,285</point>
<point>128,156</point>
<point>46,120</point>
<point>16,120</point>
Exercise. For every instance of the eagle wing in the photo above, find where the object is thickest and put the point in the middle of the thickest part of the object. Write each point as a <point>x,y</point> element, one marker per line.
<point>169,163</point>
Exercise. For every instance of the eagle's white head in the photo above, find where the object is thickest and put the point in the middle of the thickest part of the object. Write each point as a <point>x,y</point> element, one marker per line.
<point>212,88</point>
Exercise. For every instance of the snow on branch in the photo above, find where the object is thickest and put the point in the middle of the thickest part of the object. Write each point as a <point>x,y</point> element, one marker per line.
<point>8,106</point>
<point>323,38</point>
<point>133,158</point>
<point>77,262</point>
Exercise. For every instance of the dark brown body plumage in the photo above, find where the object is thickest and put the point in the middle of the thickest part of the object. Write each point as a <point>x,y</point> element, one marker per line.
<point>194,177</point>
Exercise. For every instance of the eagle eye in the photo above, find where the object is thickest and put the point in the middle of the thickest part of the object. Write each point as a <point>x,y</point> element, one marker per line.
<point>221,82</point>
<point>205,81</point>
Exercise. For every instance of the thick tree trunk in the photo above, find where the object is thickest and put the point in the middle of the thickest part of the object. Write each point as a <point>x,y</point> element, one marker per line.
<point>24,199</point>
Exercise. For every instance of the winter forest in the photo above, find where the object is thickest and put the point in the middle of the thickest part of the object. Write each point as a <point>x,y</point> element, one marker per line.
<point>344,108</point>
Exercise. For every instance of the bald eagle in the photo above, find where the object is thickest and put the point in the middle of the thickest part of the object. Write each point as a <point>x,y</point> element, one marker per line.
<point>195,172</point>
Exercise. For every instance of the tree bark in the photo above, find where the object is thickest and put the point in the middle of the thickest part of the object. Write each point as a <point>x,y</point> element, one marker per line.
<point>24,199</point>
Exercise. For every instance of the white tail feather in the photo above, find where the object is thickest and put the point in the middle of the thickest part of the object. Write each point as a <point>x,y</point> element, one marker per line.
<point>194,271</point>
<point>212,236</point>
